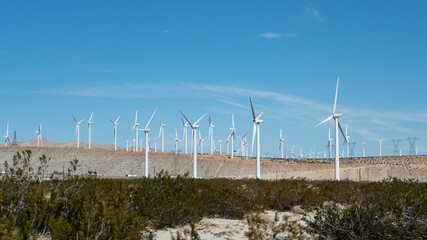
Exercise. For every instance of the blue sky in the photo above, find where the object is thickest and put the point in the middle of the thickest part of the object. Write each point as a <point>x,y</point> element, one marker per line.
<point>112,58</point>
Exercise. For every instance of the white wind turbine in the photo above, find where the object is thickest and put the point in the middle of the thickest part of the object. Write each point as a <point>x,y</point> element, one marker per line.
<point>127,145</point>
<point>335,116</point>
<point>220,146</point>
<point>176,141</point>
<point>115,123</point>
<point>6,137</point>
<point>89,124</point>
<point>243,144</point>
<point>211,136</point>
<point>184,134</point>
<point>363,148</point>
<point>348,141</point>
<point>155,144</point>
<point>255,131</point>
<point>381,141</point>
<point>232,135</point>
<point>39,136</point>
<point>281,148</point>
<point>194,128</point>
<point>201,140</point>
<point>78,130</point>
<point>162,133</point>
<point>147,147</point>
<point>135,126</point>
<point>227,141</point>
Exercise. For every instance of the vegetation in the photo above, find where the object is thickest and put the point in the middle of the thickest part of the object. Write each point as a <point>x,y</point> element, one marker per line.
<point>75,207</point>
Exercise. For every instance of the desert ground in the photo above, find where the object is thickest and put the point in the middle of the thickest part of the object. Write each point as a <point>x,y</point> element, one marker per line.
<point>108,163</point>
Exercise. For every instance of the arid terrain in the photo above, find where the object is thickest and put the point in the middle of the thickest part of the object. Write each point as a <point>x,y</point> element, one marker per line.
<point>109,163</point>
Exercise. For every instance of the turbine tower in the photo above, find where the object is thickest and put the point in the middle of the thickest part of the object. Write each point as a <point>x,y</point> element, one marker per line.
<point>211,136</point>
<point>115,123</point>
<point>381,141</point>
<point>255,131</point>
<point>281,148</point>
<point>330,143</point>
<point>147,147</point>
<point>78,130</point>
<point>184,134</point>
<point>39,136</point>
<point>335,116</point>
<point>348,141</point>
<point>6,137</point>
<point>220,146</point>
<point>89,124</point>
<point>364,149</point>
<point>162,133</point>
<point>135,127</point>
<point>201,140</point>
<point>194,128</point>
<point>232,135</point>
<point>176,141</point>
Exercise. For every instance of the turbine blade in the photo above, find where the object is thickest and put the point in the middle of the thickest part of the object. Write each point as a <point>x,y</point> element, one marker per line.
<point>183,124</point>
<point>252,107</point>
<point>253,138</point>
<point>136,117</point>
<point>339,125</point>
<point>152,115</point>
<point>232,120</point>
<point>259,116</point>
<point>185,118</point>
<point>327,119</point>
<point>336,94</point>
<point>245,135</point>
<point>90,117</point>
<point>176,134</point>
<point>117,119</point>
<point>75,120</point>
<point>200,118</point>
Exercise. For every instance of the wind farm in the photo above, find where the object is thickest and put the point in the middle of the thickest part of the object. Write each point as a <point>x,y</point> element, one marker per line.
<point>213,120</point>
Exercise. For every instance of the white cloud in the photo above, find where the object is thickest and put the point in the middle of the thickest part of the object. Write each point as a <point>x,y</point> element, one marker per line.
<point>270,35</point>
<point>233,103</point>
<point>314,13</point>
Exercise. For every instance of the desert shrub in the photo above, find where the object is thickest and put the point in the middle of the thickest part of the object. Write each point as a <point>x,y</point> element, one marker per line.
<point>87,207</point>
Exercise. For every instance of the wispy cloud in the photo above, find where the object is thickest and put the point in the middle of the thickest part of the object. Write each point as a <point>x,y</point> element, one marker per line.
<point>233,103</point>
<point>270,35</point>
<point>287,105</point>
<point>314,13</point>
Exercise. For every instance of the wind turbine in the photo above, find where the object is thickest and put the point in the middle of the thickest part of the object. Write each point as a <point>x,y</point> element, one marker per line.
<point>147,147</point>
<point>281,148</point>
<point>6,137</point>
<point>127,145</point>
<point>184,134</point>
<point>201,140</point>
<point>211,136</point>
<point>255,131</point>
<point>135,126</point>
<point>348,141</point>
<point>335,116</point>
<point>243,144</point>
<point>194,128</point>
<point>220,146</point>
<point>39,136</point>
<point>155,144</point>
<point>176,141</point>
<point>115,123</point>
<point>89,124</point>
<point>364,149</point>
<point>162,133</point>
<point>381,141</point>
<point>78,130</point>
<point>232,134</point>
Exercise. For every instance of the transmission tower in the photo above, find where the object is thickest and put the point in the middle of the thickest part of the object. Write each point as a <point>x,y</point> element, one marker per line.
<point>351,148</point>
<point>396,150</point>
<point>14,143</point>
<point>412,141</point>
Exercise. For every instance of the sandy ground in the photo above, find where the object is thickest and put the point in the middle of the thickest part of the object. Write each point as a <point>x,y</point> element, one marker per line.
<point>109,163</point>
<point>228,229</point>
